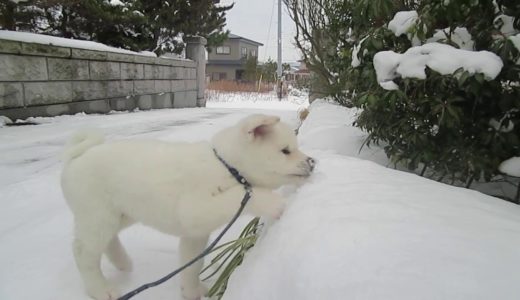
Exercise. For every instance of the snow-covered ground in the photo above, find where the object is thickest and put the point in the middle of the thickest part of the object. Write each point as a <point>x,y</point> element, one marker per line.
<point>36,226</point>
<point>357,230</point>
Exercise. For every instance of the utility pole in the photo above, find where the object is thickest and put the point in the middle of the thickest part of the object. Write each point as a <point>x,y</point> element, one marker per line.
<point>279,69</point>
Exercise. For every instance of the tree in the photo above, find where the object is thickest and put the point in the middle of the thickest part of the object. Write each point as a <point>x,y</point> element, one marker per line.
<point>155,25</point>
<point>268,71</point>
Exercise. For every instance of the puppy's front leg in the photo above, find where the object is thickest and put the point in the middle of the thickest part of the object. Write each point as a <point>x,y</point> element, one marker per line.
<point>266,203</point>
<point>191,286</point>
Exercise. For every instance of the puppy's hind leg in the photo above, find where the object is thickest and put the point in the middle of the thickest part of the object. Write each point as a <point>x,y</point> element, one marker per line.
<point>117,255</point>
<point>92,239</point>
<point>191,286</point>
<point>116,252</point>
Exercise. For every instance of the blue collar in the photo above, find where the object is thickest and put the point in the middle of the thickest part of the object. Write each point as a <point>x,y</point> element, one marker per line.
<point>238,177</point>
<point>233,171</point>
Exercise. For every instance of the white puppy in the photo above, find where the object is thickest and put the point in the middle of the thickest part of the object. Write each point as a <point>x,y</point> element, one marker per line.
<point>178,188</point>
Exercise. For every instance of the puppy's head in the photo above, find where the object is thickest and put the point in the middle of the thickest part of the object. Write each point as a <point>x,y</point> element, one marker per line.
<point>265,151</point>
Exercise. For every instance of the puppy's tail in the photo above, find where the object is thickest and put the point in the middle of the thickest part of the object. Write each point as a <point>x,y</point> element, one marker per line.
<point>81,142</point>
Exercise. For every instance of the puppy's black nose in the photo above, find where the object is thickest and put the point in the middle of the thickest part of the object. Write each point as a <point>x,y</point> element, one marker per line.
<point>311,162</point>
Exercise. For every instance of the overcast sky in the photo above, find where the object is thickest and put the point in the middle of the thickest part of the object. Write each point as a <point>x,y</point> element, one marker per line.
<point>251,18</point>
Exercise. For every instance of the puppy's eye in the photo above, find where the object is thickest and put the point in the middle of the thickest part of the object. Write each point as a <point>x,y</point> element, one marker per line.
<point>286,151</point>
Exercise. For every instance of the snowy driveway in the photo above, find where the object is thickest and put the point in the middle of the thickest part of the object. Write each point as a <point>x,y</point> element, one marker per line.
<point>36,226</point>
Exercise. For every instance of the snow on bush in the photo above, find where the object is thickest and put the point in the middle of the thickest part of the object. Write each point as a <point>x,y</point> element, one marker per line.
<point>460,36</point>
<point>511,167</point>
<point>505,24</point>
<point>442,58</point>
<point>402,22</point>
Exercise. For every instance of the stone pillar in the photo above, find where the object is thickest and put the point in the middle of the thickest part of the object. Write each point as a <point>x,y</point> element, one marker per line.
<point>196,51</point>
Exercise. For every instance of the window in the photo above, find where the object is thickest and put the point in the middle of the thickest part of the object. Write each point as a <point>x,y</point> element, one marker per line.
<point>222,76</point>
<point>223,50</point>
<point>244,51</point>
<point>253,53</point>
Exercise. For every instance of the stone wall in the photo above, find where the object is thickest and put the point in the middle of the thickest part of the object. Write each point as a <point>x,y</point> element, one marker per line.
<point>45,80</point>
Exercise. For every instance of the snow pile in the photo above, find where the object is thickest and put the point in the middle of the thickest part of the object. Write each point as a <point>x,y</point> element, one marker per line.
<point>511,167</point>
<point>328,127</point>
<point>403,21</point>
<point>4,121</point>
<point>63,42</point>
<point>358,230</point>
<point>441,58</point>
<point>460,36</point>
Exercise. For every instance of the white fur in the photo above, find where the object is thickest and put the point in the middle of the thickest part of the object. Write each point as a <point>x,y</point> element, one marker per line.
<point>178,188</point>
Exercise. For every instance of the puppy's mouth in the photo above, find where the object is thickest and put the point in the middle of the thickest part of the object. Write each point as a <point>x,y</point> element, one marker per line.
<point>300,175</point>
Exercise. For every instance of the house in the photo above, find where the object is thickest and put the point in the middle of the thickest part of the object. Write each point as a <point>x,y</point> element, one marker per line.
<point>227,61</point>
<point>298,71</point>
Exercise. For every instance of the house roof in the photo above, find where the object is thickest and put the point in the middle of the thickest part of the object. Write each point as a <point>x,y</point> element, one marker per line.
<point>234,36</point>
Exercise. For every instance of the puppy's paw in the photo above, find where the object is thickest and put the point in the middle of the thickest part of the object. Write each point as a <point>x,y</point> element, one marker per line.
<point>194,293</point>
<point>265,203</point>
<point>275,209</point>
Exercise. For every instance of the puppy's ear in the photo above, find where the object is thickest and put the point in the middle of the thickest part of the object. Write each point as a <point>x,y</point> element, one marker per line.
<point>258,126</point>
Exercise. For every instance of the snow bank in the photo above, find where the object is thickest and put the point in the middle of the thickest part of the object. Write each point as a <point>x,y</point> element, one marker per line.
<point>511,167</point>
<point>63,42</point>
<point>402,22</point>
<point>358,230</point>
<point>328,127</point>
<point>442,58</point>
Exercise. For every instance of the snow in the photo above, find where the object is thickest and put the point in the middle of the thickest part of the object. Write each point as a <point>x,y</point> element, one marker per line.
<point>511,166</point>
<point>115,3</point>
<point>500,126</point>
<point>505,24</point>
<point>355,51</point>
<point>460,36</point>
<point>328,127</point>
<point>515,39</point>
<point>4,121</point>
<point>63,42</point>
<point>255,100</point>
<point>442,58</point>
<point>403,21</point>
<point>358,230</point>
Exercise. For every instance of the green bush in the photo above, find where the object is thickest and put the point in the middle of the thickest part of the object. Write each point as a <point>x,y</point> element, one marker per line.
<point>456,127</point>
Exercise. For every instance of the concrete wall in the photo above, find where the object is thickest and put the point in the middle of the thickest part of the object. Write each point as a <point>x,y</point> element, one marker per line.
<point>44,80</point>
